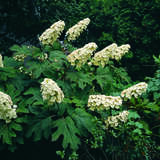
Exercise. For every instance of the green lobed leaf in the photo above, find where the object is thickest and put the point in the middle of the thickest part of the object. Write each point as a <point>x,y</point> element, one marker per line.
<point>67,128</point>
<point>83,121</point>
<point>40,127</point>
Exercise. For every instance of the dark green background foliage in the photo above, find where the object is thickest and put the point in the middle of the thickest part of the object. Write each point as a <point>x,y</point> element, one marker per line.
<point>122,21</point>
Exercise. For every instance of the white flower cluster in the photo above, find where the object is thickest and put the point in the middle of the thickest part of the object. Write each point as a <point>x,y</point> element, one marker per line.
<point>19,57</point>
<point>50,35</point>
<point>6,110</point>
<point>113,121</point>
<point>51,92</point>
<point>101,58</point>
<point>1,61</point>
<point>120,51</point>
<point>80,56</point>
<point>134,91</point>
<point>77,29</point>
<point>102,102</point>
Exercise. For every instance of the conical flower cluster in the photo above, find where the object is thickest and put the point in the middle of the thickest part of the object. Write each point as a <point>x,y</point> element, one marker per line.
<point>50,35</point>
<point>77,29</point>
<point>7,112</point>
<point>102,102</point>
<point>51,92</point>
<point>80,56</point>
<point>134,91</point>
<point>114,121</point>
<point>1,61</point>
<point>101,58</point>
<point>120,52</point>
<point>112,51</point>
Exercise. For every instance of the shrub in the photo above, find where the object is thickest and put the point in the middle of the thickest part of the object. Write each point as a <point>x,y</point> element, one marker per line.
<point>63,95</point>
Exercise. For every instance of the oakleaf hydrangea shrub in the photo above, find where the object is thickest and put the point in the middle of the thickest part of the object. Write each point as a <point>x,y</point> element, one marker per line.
<point>77,94</point>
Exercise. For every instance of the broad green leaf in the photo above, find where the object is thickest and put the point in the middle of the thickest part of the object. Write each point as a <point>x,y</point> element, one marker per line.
<point>104,77</point>
<point>133,115</point>
<point>83,121</point>
<point>67,128</point>
<point>40,127</point>
<point>80,78</point>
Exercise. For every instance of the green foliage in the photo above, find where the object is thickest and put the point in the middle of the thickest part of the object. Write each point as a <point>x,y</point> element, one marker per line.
<point>67,128</point>
<point>71,123</point>
<point>40,127</point>
<point>83,120</point>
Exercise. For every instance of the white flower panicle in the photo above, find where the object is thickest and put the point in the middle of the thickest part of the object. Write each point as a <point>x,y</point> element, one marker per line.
<point>7,112</point>
<point>102,102</point>
<point>120,51</point>
<point>19,57</point>
<point>101,58</point>
<point>112,51</point>
<point>134,91</point>
<point>77,29</point>
<point>80,56</point>
<point>114,121</point>
<point>51,92</point>
<point>50,35</point>
<point>1,61</point>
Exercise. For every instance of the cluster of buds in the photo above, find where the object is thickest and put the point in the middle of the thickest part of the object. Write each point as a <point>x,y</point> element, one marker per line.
<point>114,121</point>
<point>120,52</point>
<point>19,57</point>
<point>101,58</point>
<point>43,57</point>
<point>7,109</point>
<point>1,61</point>
<point>134,91</point>
<point>77,29</point>
<point>50,35</point>
<point>51,92</point>
<point>80,56</point>
<point>22,70</point>
<point>103,102</point>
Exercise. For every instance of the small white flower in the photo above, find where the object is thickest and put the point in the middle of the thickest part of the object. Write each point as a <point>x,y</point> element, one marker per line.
<point>15,106</point>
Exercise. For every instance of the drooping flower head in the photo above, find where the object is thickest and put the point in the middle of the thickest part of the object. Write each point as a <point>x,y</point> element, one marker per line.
<point>77,29</point>
<point>103,102</point>
<point>80,56</point>
<point>7,112</point>
<point>50,35</point>
<point>120,52</point>
<point>1,61</point>
<point>101,58</point>
<point>51,91</point>
<point>114,121</point>
<point>134,91</point>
